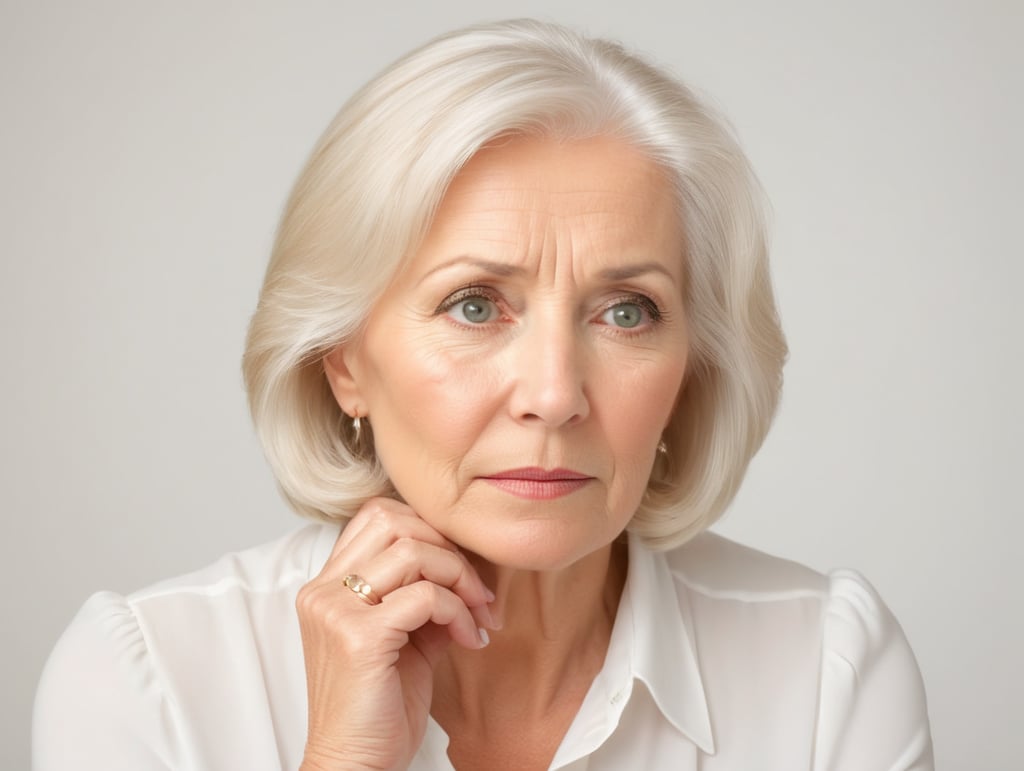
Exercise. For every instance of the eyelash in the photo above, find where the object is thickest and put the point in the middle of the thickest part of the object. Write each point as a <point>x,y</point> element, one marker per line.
<point>466,293</point>
<point>656,315</point>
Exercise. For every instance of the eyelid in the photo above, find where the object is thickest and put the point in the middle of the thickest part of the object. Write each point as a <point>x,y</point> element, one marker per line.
<point>464,293</point>
<point>656,313</point>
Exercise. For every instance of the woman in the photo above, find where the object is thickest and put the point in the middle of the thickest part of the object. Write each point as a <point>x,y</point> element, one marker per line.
<point>515,349</point>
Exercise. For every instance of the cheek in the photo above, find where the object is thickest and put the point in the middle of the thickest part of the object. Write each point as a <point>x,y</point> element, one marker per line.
<point>637,410</point>
<point>440,394</point>
<point>646,396</point>
<point>430,408</point>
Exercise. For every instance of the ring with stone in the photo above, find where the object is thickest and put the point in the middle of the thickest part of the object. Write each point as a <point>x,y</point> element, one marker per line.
<point>361,588</point>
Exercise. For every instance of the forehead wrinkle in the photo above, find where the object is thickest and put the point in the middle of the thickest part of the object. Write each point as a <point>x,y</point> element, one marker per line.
<point>545,240</point>
<point>568,267</point>
<point>513,198</point>
<point>535,217</point>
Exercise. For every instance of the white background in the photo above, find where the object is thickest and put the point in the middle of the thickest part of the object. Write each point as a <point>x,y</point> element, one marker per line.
<point>147,149</point>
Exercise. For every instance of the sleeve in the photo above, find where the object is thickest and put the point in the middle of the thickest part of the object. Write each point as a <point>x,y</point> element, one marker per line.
<point>872,712</point>
<point>100,704</point>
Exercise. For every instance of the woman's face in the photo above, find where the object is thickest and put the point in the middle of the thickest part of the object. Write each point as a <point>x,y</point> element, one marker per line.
<point>519,372</point>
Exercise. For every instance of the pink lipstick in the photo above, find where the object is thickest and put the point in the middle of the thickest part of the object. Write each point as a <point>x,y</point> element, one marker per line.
<point>537,483</point>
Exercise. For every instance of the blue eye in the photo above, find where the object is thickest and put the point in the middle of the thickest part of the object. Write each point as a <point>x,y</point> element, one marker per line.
<point>624,315</point>
<point>473,310</point>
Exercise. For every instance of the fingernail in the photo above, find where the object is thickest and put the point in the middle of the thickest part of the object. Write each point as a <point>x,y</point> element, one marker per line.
<point>490,595</point>
<point>484,638</point>
<point>484,616</point>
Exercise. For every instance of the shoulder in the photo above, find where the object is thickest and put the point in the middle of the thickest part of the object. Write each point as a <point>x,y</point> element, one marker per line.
<point>873,708</point>
<point>716,567</point>
<point>838,614</point>
<point>99,666</point>
<point>824,645</point>
<point>842,609</point>
<point>244,595</point>
<point>128,668</point>
<point>259,570</point>
<point>243,598</point>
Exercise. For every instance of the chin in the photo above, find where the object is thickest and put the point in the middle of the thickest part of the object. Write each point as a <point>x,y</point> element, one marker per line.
<point>536,545</point>
<point>513,532</point>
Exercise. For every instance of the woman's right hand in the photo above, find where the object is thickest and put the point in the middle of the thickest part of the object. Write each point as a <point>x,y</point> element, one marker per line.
<point>369,668</point>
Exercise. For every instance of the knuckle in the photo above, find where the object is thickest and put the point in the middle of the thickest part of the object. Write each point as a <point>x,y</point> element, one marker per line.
<point>304,598</point>
<point>310,603</point>
<point>427,592</point>
<point>322,613</point>
<point>406,549</point>
<point>314,601</point>
<point>380,517</point>
<point>374,506</point>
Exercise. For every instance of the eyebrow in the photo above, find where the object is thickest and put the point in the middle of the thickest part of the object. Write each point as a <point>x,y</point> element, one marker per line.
<point>504,270</point>
<point>632,271</point>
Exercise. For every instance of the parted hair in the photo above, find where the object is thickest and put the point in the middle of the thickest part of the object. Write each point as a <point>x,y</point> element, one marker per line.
<point>366,197</point>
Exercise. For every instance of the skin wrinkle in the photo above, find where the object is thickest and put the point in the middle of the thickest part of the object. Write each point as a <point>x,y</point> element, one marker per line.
<point>464,265</point>
<point>570,229</point>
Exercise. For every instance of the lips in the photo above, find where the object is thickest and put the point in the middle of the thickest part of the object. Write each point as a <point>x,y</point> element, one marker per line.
<point>537,483</point>
<point>538,474</point>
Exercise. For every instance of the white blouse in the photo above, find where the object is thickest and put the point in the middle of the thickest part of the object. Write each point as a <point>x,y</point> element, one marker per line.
<point>721,657</point>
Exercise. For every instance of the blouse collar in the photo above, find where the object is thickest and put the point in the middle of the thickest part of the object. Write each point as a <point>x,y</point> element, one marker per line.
<point>652,641</point>
<point>664,655</point>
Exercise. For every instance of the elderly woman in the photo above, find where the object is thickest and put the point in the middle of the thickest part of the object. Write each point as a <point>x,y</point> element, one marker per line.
<point>515,349</point>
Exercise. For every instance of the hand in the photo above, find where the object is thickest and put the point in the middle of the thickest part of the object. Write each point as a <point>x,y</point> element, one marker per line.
<point>369,668</point>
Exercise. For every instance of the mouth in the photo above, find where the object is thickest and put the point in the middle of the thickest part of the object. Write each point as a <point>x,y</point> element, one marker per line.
<point>537,483</point>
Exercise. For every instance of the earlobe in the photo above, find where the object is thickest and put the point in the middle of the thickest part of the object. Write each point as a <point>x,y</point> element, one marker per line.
<point>341,379</point>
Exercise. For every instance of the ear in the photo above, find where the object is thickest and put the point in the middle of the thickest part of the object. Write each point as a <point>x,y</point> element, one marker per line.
<point>338,367</point>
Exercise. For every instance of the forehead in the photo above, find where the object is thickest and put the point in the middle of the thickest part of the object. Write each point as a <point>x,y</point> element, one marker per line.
<point>520,193</point>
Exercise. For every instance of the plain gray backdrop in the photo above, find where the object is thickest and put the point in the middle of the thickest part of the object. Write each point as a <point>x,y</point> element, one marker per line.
<point>147,149</point>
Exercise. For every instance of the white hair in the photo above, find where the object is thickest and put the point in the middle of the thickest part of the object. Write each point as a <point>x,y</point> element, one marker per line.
<point>365,200</point>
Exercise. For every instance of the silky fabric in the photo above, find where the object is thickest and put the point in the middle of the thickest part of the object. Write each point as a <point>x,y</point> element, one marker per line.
<point>721,658</point>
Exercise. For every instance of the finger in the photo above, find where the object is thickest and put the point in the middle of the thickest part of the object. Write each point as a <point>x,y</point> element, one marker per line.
<point>391,516</point>
<point>407,561</point>
<point>408,608</point>
<point>430,640</point>
<point>373,508</point>
<point>484,618</point>
<point>377,525</point>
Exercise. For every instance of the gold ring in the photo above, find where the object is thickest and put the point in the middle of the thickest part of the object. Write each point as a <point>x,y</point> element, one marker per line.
<point>361,589</point>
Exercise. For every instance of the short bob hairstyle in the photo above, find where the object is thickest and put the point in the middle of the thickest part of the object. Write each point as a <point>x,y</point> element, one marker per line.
<point>366,198</point>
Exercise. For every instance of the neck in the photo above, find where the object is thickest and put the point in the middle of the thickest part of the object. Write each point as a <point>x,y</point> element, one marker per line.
<point>555,629</point>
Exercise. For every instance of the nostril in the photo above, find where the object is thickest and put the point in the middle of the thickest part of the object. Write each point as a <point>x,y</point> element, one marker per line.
<point>549,384</point>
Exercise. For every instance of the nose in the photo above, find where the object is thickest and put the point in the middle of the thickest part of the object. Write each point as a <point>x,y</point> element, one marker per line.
<point>550,379</point>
